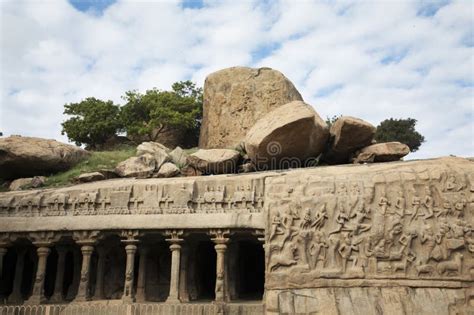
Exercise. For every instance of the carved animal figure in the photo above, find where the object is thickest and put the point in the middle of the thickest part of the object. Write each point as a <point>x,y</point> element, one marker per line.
<point>454,265</point>
<point>424,269</point>
<point>400,265</point>
<point>285,258</point>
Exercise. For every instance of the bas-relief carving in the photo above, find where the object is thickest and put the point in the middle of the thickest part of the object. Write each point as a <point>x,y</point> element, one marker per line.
<point>210,196</point>
<point>408,224</point>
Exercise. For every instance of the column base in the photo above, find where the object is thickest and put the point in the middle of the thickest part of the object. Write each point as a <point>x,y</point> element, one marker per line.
<point>35,300</point>
<point>56,299</point>
<point>128,300</point>
<point>172,300</point>
<point>15,300</point>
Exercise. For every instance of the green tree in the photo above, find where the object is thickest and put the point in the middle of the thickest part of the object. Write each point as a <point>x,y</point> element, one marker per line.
<point>402,130</point>
<point>148,115</point>
<point>93,121</point>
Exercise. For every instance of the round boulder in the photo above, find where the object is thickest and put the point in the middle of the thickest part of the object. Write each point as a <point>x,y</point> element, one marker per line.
<point>28,156</point>
<point>288,137</point>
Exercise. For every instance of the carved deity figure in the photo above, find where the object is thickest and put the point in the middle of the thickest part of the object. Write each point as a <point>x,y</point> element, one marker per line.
<point>277,226</point>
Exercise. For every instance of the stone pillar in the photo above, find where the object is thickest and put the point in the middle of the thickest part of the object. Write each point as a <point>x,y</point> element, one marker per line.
<point>175,248</point>
<point>220,240</point>
<point>99,285</point>
<point>128,292</point>
<point>183,274</point>
<point>83,290</point>
<point>37,297</point>
<point>15,297</point>
<point>141,285</point>
<point>58,283</point>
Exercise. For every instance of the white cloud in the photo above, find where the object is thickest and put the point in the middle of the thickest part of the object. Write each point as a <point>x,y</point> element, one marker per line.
<point>371,59</point>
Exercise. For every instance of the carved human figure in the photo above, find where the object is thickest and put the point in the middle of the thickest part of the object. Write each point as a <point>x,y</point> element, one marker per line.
<point>345,250</point>
<point>277,226</point>
<point>320,218</point>
<point>288,219</point>
<point>459,206</point>
<point>383,203</point>
<point>317,249</point>
<point>429,241</point>
<point>428,203</point>
<point>416,203</point>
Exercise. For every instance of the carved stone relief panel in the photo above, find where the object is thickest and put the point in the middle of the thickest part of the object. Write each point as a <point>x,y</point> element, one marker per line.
<point>406,222</point>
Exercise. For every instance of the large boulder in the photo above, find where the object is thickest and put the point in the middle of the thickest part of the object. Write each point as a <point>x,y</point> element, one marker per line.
<point>382,152</point>
<point>348,134</point>
<point>157,150</point>
<point>28,156</point>
<point>141,166</point>
<point>289,136</point>
<point>235,98</point>
<point>214,161</point>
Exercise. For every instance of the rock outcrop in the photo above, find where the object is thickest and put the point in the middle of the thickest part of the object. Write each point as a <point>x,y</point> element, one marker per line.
<point>214,161</point>
<point>348,134</point>
<point>287,137</point>
<point>178,156</point>
<point>235,98</point>
<point>28,156</point>
<point>382,152</point>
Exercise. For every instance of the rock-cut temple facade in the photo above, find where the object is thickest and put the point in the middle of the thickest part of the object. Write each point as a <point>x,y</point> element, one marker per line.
<point>392,238</point>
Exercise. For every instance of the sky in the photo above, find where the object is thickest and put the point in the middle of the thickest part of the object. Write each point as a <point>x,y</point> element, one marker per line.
<point>369,59</point>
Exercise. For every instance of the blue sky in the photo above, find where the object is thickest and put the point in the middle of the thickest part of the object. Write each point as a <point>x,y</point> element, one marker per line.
<point>369,59</point>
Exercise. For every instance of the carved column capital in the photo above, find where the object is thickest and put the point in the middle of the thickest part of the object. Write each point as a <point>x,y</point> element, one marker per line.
<point>174,236</point>
<point>86,238</point>
<point>219,236</point>
<point>44,239</point>
<point>130,236</point>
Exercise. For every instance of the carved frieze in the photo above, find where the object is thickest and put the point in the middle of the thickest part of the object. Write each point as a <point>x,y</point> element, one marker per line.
<point>149,197</point>
<point>409,222</point>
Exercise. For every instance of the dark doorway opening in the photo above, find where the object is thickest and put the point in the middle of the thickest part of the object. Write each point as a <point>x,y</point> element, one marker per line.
<point>251,270</point>
<point>68,272</point>
<point>50,278</point>
<point>7,278</point>
<point>205,272</point>
<point>29,270</point>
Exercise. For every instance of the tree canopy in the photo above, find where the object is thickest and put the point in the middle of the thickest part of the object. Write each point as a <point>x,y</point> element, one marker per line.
<point>151,113</point>
<point>93,121</point>
<point>402,130</point>
<point>143,116</point>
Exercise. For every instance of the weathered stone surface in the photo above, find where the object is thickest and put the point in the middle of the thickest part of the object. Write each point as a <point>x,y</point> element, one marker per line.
<point>178,156</point>
<point>348,134</point>
<point>89,177</point>
<point>167,170</point>
<point>24,183</point>
<point>235,98</point>
<point>137,166</point>
<point>157,150</point>
<point>286,137</point>
<point>215,161</point>
<point>28,156</point>
<point>382,152</point>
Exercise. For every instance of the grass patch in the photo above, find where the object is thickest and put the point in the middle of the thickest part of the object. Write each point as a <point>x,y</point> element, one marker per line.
<point>97,161</point>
